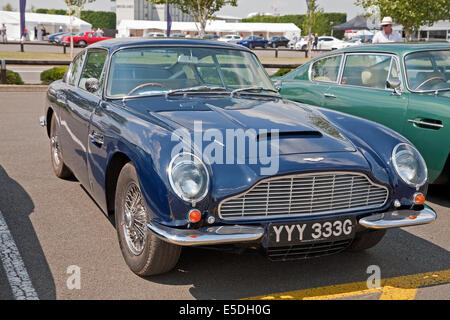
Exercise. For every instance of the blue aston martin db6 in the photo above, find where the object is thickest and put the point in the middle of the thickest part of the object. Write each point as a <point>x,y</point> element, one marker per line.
<point>188,143</point>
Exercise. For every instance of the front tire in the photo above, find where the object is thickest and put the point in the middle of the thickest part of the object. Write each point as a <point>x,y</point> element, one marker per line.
<point>366,240</point>
<point>82,44</point>
<point>59,167</point>
<point>144,253</point>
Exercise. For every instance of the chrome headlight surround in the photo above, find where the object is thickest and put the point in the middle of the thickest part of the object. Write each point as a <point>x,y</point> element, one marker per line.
<point>409,165</point>
<point>188,177</point>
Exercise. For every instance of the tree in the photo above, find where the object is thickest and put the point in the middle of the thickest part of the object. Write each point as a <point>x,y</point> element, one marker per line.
<point>8,7</point>
<point>411,14</point>
<point>74,8</point>
<point>201,10</point>
<point>313,19</point>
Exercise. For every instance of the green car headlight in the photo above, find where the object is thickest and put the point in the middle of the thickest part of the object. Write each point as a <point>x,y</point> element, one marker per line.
<point>409,165</point>
<point>188,177</point>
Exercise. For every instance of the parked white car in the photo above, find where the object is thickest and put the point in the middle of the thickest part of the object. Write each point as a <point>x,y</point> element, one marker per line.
<point>301,44</point>
<point>230,38</point>
<point>331,43</point>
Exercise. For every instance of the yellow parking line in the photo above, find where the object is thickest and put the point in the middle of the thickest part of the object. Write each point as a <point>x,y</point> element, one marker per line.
<point>397,288</point>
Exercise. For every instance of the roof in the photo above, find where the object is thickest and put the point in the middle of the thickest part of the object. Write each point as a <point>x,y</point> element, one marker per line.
<point>398,48</point>
<point>13,17</point>
<point>117,43</point>
<point>357,23</point>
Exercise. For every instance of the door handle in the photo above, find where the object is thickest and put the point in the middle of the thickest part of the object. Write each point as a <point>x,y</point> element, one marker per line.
<point>96,138</point>
<point>329,95</point>
<point>424,123</point>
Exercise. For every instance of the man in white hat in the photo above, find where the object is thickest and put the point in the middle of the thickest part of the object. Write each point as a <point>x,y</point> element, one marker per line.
<point>387,34</point>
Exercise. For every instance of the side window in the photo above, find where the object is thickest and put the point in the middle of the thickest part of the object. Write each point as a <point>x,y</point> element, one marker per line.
<point>394,73</point>
<point>366,70</point>
<point>93,67</point>
<point>326,70</point>
<point>75,69</point>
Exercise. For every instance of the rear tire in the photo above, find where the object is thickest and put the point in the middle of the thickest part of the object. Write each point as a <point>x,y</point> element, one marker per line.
<point>366,240</point>
<point>81,43</point>
<point>59,167</point>
<point>147,255</point>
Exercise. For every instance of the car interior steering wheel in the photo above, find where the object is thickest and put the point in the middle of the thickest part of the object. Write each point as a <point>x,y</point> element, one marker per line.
<point>154,84</point>
<point>430,79</point>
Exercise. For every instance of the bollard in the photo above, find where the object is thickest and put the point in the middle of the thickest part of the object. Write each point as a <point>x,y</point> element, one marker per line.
<point>276,52</point>
<point>3,72</point>
<point>64,48</point>
<point>21,46</point>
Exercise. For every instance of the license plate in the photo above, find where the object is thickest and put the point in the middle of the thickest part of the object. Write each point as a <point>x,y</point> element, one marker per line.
<point>286,234</point>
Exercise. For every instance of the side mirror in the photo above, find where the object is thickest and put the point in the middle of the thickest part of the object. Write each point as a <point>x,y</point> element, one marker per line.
<point>277,84</point>
<point>92,85</point>
<point>394,84</point>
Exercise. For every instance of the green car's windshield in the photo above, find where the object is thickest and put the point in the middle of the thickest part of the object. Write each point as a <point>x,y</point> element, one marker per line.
<point>428,70</point>
<point>151,70</point>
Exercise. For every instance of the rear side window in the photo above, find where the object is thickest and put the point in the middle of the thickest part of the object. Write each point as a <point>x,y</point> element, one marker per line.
<point>326,70</point>
<point>367,70</point>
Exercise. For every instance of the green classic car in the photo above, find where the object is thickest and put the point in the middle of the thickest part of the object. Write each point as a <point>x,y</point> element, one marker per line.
<point>405,87</point>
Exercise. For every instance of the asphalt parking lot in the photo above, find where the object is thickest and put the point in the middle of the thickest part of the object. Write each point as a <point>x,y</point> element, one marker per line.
<point>53,224</point>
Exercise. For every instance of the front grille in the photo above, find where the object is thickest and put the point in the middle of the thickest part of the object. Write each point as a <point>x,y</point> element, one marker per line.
<point>305,251</point>
<point>305,194</point>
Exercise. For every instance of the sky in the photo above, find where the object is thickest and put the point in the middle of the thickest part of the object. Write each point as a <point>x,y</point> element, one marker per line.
<point>242,10</point>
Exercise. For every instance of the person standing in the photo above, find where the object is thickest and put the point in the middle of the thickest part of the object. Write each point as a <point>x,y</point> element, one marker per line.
<point>387,34</point>
<point>60,29</point>
<point>316,41</point>
<point>3,33</point>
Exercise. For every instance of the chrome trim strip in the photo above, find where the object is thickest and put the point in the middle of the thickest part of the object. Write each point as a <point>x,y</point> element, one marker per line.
<point>400,218</point>
<point>269,217</point>
<point>206,236</point>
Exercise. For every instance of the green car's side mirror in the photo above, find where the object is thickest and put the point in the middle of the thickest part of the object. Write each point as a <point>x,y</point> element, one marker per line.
<point>394,84</point>
<point>277,84</point>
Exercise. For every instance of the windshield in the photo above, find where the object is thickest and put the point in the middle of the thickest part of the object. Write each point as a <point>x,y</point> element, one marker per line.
<point>428,70</point>
<point>156,70</point>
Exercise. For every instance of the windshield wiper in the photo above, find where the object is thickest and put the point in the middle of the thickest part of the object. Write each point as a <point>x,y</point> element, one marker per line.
<point>234,92</point>
<point>195,89</point>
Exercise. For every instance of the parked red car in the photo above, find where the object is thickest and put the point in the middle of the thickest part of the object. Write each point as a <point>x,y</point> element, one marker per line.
<point>83,39</point>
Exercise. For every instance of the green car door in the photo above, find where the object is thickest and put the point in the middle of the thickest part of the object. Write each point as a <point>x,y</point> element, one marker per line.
<point>427,123</point>
<point>297,86</point>
<point>362,90</point>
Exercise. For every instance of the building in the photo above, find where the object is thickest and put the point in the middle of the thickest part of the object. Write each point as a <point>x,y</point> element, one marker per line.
<point>146,10</point>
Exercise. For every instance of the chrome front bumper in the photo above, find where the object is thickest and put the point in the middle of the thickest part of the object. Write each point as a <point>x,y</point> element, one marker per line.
<point>206,236</point>
<point>234,234</point>
<point>400,218</point>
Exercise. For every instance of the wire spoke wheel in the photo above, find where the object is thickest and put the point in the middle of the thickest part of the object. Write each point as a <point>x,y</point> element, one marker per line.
<point>134,222</point>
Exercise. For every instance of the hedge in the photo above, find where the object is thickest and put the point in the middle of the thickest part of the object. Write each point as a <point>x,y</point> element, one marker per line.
<point>13,77</point>
<point>281,72</point>
<point>53,74</point>
<point>98,19</point>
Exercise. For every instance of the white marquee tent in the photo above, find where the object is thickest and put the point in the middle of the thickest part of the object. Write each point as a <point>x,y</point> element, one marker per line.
<point>51,22</point>
<point>213,26</point>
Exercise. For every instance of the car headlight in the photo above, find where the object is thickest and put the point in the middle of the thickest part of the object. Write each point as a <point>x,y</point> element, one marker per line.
<point>409,165</point>
<point>188,177</point>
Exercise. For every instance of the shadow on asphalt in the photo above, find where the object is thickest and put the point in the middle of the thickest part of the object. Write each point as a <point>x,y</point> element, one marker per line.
<point>16,207</point>
<point>220,275</point>
<point>439,194</point>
